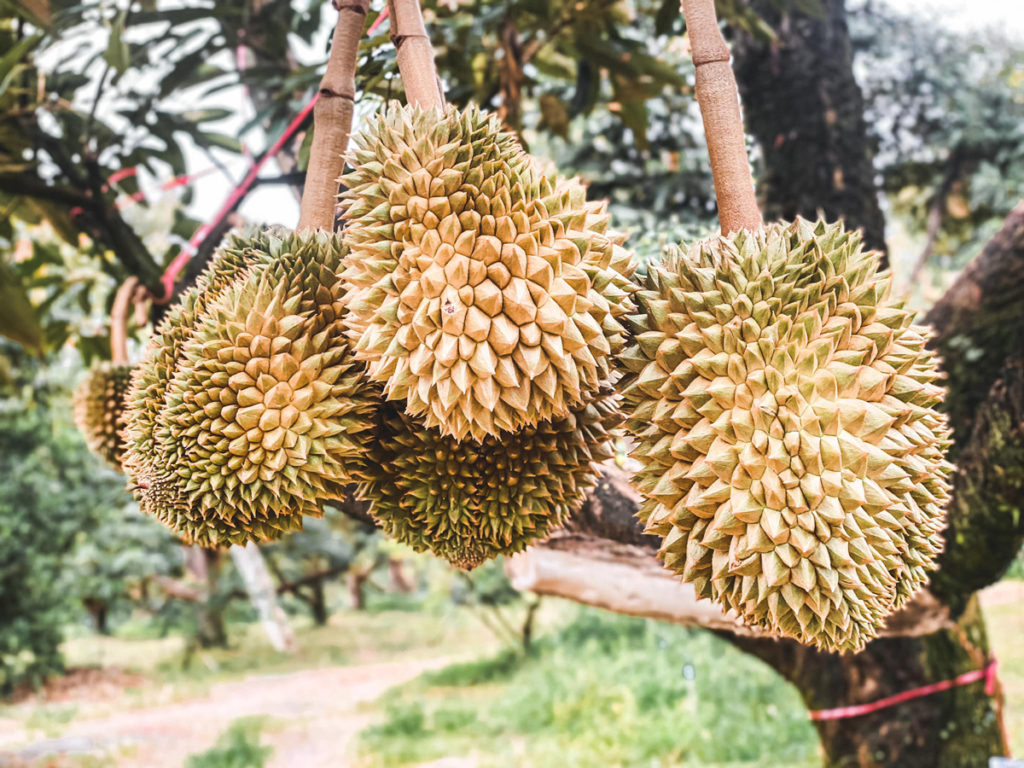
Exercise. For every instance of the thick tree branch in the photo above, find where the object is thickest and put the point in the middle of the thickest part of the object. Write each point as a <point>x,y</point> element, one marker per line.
<point>99,219</point>
<point>603,558</point>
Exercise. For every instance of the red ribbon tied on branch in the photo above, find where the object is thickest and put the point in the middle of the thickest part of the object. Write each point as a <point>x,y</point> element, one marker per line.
<point>987,673</point>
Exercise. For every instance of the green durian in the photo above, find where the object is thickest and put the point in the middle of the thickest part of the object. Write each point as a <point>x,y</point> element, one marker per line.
<point>783,407</point>
<point>99,411</point>
<point>264,409</point>
<point>483,291</point>
<point>471,501</point>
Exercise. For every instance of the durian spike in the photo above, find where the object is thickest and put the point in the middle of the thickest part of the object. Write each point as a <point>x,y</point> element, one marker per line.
<point>415,55</point>
<point>332,119</point>
<point>723,126</point>
<point>119,321</point>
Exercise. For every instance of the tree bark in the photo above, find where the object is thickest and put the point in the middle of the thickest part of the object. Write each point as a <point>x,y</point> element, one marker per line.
<point>203,565</point>
<point>804,108</point>
<point>263,596</point>
<point>958,728</point>
<point>356,588</point>
<point>318,603</point>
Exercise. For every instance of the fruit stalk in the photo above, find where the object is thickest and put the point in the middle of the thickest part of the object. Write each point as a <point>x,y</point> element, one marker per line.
<point>415,55</point>
<point>332,119</point>
<point>119,321</point>
<point>718,98</point>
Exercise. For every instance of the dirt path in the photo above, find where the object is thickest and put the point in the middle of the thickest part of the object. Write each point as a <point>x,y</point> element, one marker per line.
<point>314,715</point>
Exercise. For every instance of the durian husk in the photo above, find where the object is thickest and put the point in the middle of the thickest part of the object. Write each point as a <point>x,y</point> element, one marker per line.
<point>469,501</point>
<point>264,409</point>
<point>483,291</point>
<point>784,411</point>
<point>99,411</point>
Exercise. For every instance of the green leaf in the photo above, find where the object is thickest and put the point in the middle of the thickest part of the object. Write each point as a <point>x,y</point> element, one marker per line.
<point>307,143</point>
<point>209,139</point>
<point>10,63</point>
<point>18,319</point>
<point>117,54</point>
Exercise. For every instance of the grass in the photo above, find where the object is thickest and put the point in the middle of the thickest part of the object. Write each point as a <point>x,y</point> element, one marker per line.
<point>1006,635</point>
<point>603,691</point>
<point>599,690</point>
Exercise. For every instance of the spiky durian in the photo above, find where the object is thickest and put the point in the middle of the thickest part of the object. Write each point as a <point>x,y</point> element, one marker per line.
<point>783,406</point>
<point>483,291</point>
<point>468,501</point>
<point>99,410</point>
<point>264,408</point>
<point>150,378</point>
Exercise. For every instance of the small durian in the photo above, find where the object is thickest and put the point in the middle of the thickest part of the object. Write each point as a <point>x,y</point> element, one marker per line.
<point>264,409</point>
<point>483,291</point>
<point>99,410</point>
<point>469,502</point>
<point>784,410</point>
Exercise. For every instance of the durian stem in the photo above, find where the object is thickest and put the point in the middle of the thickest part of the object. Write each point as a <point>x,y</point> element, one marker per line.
<point>332,119</point>
<point>719,103</point>
<point>119,321</point>
<point>415,55</point>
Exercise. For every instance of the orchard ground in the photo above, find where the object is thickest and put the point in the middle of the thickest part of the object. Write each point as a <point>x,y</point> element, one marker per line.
<point>437,688</point>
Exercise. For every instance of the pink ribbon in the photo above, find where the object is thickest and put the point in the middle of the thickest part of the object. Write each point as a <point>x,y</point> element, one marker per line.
<point>988,674</point>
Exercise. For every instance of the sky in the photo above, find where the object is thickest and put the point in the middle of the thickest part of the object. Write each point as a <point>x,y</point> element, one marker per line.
<point>277,205</point>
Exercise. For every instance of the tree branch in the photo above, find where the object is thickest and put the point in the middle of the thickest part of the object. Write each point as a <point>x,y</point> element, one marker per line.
<point>415,55</point>
<point>332,120</point>
<point>719,103</point>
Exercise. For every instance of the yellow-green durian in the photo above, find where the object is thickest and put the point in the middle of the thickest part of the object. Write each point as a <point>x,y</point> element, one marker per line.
<point>99,410</point>
<point>470,501</point>
<point>784,410</point>
<point>146,395</point>
<point>265,409</point>
<point>483,291</point>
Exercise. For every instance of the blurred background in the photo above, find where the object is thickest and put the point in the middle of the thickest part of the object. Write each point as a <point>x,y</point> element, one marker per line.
<point>121,647</point>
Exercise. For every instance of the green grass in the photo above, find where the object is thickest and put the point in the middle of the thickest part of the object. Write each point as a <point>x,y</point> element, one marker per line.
<point>1006,629</point>
<point>603,691</point>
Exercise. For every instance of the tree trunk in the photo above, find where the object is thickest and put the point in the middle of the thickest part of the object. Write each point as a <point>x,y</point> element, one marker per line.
<point>97,608</point>
<point>803,106</point>
<point>318,603</point>
<point>957,728</point>
<point>203,565</point>
<point>263,596</point>
<point>398,581</point>
<point>356,589</point>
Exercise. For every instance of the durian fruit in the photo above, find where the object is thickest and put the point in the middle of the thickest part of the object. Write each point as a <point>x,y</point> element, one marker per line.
<point>783,406</point>
<point>263,409</point>
<point>470,501</point>
<point>483,291</point>
<point>99,410</point>
<point>150,378</point>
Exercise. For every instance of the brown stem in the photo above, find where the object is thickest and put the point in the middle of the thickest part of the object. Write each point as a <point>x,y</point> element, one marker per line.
<point>119,321</point>
<point>332,119</point>
<point>723,126</point>
<point>415,55</point>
